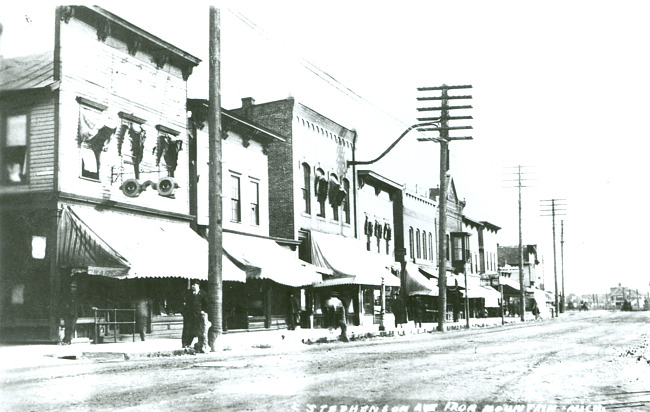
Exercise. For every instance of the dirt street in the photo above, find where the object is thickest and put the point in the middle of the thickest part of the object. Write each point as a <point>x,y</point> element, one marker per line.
<point>581,360</point>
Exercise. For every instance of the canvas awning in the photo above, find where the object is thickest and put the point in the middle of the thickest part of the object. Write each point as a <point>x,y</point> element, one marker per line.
<point>350,262</point>
<point>417,284</point>
<point>124,246</point>
<point>490,295</point>
<point>263,258</point>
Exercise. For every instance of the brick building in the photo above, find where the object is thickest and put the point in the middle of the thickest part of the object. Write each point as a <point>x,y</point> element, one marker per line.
<point>312,198</point>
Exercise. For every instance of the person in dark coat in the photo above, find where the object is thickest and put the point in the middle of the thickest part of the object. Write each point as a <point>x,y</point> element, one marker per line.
<point>70,312</point>
<point>194,313</point>
<point>335,316</point>
<point>293,312</point>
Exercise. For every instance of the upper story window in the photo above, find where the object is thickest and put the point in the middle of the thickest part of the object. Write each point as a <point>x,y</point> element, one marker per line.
<point>93,136</point>
<point>346,201</point>
<point>306,188</point>
<point>418,249</point>
<point>431,255</point>
<point>14,149</point>
<point>411,243</point>
<point>320,187</point>
<point>235,199</point>
<point>424,245</point>
<point>255,203</point>
<point>333,193</point>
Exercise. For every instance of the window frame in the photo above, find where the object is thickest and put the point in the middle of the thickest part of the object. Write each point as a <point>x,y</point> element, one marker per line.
<point>235,202</point>
<point>4,136</point>
<point>255,203</point>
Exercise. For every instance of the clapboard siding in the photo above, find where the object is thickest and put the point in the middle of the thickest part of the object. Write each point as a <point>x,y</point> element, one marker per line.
<point>42,156</point>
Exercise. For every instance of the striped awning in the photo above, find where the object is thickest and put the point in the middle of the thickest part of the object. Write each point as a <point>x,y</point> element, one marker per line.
<point>126,246</point>
<point>350,263</point>
<point>263,258</point>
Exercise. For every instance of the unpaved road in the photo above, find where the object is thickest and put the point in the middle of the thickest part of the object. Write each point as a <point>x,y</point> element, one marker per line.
<point>588,359</point>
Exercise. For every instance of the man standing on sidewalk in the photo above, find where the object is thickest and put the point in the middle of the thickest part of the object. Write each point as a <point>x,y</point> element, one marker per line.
<point>195,317</point>
<point>335,315</point>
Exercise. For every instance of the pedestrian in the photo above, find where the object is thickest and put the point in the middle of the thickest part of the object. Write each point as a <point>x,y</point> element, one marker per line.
<point>141,316</point>
<point>535,309</point>
<point>335,315</point>
<point>418,312</point>
<point>399,312</point>
<point>195,317</point>
<point>70,312</point>
<point>293,312</point>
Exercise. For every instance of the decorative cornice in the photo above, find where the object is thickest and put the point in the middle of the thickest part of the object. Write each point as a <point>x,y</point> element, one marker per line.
<point>134,44</point>
<point>160,58</point>
<point>90,103</point>
<point>131,118</point>
<point>66,13</point>
<point>165,129</point>
<point>103,30</point>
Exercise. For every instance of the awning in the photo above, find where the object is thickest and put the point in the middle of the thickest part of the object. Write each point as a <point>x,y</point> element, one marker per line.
<point>490,295</point>
<point>428,271</point>
<point>417,284</point>
<point>350,262</point>
<point>124,246</point>
<point>263,258</point>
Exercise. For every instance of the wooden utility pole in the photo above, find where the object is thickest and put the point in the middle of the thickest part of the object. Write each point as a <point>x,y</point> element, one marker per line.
<point>215,224</point>
<point>563,301</point>
<point>556,210</point>
<point>522,286</point>
<point>444,140</point>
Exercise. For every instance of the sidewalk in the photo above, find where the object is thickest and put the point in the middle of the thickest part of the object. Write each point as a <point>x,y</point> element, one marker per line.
<point>25,356</point>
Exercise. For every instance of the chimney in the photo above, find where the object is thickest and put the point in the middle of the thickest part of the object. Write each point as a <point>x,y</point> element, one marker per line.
<point>247,102</point>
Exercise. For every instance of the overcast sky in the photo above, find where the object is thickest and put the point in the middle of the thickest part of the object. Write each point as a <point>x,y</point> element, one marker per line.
<point>560,88</point>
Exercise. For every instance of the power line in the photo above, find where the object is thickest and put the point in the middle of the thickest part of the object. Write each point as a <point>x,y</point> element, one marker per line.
<point>557,208</point>
<point>317,70</point>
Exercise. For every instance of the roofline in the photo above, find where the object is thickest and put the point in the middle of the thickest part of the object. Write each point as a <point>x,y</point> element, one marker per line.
<point>472,221</point>
<point>381,179</point>
<point>182,58</point>
<point>491,225</point>
<point>228,113</point>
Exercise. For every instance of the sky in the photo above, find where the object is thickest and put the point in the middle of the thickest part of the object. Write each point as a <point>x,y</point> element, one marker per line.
<point>559,88</point>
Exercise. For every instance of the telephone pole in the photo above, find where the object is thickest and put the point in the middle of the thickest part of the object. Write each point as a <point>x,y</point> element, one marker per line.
<point>522,287</point>
<point>215,225</point>
<point>556,209</point>
<point>563,301</point>
<point>444,139</point>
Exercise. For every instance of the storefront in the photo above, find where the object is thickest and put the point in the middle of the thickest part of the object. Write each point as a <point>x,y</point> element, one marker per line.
<point>362,280</point>
<point>273,274</point>
<point>111,260</point>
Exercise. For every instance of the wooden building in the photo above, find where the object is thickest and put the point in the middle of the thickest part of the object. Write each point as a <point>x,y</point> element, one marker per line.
<point>95,185</point>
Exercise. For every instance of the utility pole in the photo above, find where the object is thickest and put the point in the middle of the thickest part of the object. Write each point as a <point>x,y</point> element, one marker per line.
<point>563,301</point>
<point>444,139</point>
<point>522,286</point>
<point>215,224</point>
<point>556,206</point>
